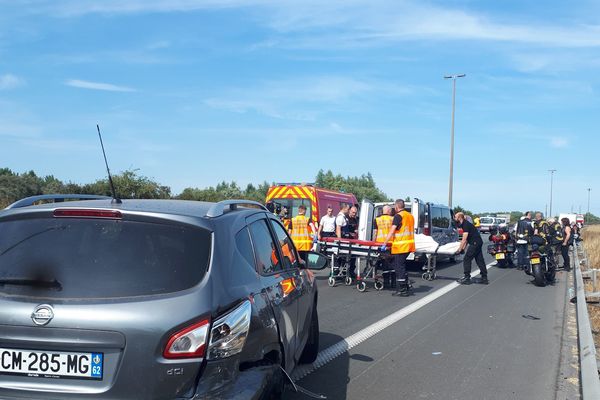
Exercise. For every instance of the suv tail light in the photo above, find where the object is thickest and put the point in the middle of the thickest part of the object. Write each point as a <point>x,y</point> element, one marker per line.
<point>189,342</point>
<point>228,334</point>
<point>426,230</point>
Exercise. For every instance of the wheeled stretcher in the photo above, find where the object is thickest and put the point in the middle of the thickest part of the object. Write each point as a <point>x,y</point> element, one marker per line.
<point>341,253</point>
<point>426,245</point>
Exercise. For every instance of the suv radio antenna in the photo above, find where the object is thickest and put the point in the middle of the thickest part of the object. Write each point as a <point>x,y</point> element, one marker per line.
<point>116,199</point>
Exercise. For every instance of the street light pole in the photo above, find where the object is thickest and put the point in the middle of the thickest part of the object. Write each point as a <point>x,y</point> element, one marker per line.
<point>589,190</point>
<point>450,184</point>
<point>552,171</point>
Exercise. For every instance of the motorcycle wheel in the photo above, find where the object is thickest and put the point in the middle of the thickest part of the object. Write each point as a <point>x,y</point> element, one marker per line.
<point>538,275</point>
<point>501,263</point>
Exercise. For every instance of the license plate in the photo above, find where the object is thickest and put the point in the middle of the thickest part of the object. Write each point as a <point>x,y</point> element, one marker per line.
<point>535,260</point>
<point>500,256</point>
<point>51,364</point>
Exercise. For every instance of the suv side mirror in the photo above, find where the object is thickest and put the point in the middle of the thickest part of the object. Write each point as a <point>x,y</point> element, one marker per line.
<point>315,261</point>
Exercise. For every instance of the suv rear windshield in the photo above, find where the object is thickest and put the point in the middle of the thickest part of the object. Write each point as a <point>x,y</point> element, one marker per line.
<point>65,258</point>
<point>486,220</point>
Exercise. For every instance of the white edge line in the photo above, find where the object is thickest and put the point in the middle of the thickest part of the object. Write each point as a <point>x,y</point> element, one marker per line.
<point>344,345</point>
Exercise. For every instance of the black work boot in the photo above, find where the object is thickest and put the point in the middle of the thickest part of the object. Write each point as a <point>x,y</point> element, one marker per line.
<point>402,289</point>
<point>483,280</point>
<point>465,280</point>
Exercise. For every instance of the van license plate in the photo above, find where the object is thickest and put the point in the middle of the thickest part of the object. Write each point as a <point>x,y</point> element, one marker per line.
<point>500,256</point>
<point>51,364</point>
<point>535,260</point>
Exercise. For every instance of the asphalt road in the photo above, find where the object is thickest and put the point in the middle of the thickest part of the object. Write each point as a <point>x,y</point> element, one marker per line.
<point>500,341</point>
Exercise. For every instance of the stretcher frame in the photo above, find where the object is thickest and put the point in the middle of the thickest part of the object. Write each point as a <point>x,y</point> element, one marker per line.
<point>346,249</point>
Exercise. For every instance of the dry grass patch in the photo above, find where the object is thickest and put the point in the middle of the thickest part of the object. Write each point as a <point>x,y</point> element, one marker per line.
<point>591,244</point>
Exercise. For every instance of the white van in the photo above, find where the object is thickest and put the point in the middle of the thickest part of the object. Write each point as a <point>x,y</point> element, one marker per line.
<point>435,220</point>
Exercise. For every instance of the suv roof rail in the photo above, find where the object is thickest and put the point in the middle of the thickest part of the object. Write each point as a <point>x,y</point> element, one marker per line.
<point>218,209</point>
<point>57,198</point>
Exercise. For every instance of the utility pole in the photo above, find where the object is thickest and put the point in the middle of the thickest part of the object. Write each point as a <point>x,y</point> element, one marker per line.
<point>552,171</point>
<point>450,184</point>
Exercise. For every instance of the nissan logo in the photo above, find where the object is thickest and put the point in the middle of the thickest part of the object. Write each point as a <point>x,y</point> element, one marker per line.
<point>42,314</point>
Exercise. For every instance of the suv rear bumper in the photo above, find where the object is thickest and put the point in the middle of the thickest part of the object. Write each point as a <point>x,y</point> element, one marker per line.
<point>223,380</point>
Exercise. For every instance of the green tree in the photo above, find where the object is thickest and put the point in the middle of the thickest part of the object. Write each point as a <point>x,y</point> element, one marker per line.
<point>129,185</point>
<point>591,219</point>
<point>363,186</point>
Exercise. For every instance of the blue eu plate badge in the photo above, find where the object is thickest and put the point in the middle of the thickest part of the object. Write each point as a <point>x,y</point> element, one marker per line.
<point>97,359</point>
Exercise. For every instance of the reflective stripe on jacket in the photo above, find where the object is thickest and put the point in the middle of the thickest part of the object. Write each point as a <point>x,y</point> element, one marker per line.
<point>300,234</point>
<point>384,223</point>
<point>542,228</point>
<point>404,237</point>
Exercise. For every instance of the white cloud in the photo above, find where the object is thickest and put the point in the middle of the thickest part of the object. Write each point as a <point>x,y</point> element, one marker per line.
<point>10,81</point>
<point>559,142</point>
<point>98,86</point>
<point>357,22</point>
<point>160,44</point>
<point>72,8</point>
<point>291,99</point>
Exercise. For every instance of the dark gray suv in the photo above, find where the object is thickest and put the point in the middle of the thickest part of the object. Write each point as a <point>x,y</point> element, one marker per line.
<point>151,299</point>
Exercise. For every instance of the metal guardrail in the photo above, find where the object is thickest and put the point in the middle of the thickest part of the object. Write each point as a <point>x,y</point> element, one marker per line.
<point>588,368</point>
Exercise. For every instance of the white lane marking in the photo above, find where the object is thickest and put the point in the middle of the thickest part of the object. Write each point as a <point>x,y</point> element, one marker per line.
<point>344,345</point>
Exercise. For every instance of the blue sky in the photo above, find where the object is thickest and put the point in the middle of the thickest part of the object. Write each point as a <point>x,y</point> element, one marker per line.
<point>192,93</point>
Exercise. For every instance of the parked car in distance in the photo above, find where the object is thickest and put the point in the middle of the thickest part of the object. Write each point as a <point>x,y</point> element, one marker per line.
<point>151,299</point>
<point>487,223</point>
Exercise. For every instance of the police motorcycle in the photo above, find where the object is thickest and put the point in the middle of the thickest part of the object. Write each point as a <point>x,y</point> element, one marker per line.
<point>502,247</point>
<point>541,265</point>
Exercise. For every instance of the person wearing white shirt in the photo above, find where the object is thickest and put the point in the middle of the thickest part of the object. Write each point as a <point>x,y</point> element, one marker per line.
<point>327,224</point>
<point>341,222</point>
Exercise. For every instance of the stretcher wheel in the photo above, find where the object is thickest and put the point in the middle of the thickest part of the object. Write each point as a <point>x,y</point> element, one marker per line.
<point>331,281</point>
<point>428,276</point>
<point>361,286</point>
<point>348,281</point>
<point>378,285</point>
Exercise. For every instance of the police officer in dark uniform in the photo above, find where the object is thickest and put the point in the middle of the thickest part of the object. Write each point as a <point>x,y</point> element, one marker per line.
<point>474,251</point>
<point>352,233</point>
<point>524,233</point>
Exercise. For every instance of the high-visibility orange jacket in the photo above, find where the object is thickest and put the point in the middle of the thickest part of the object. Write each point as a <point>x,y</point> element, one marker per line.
<point>384,223</point>
<point>404,237</point>
<point>300,234</point>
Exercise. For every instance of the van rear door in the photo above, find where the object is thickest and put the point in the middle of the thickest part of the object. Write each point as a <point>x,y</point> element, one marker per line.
<point>442,229</point>
<point>365,220</point>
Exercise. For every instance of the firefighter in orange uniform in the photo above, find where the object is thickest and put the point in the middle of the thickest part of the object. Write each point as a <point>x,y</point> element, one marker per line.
<point>299,231</point>
<point>383,223</point>
<point>403,233</point>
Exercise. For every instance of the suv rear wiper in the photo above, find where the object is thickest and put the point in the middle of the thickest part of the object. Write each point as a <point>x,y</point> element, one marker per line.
<point>38,283</point>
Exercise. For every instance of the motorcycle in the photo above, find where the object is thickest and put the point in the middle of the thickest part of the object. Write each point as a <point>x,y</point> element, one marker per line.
<point>541,264</point>
<point>502,248</point>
